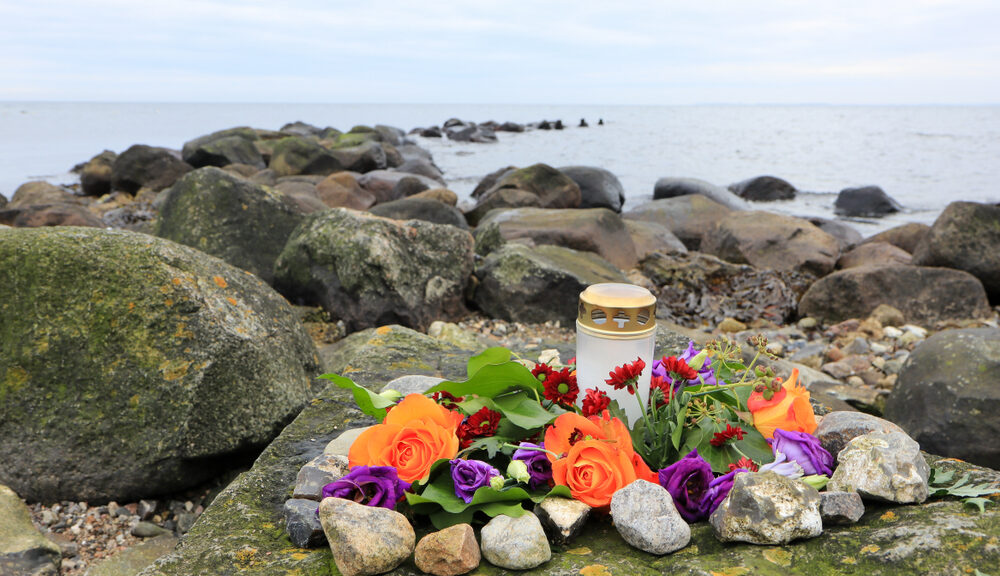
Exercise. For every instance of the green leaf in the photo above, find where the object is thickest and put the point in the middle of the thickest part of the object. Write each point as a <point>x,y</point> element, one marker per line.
<point>523,409</point>
<point>978,503</point>
<point>368,402</point>
<point>496,355</point>
<point>491,380</point>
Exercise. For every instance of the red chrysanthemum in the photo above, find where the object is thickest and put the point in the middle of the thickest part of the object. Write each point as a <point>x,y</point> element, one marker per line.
<point>679,368</point>
<point>447,400</point>
<point>744,463</point>
<point>544,369</point>
<point>726,435</point>
<point>482,424</point>
<point>625,376</point>
<point>561,388</point>
<point>595,402</point>
<point>656,382</point>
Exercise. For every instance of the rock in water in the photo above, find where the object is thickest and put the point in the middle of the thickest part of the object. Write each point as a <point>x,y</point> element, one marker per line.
<point>515,543</point>
<point>131,365</point>
<point>370,271</point>
<point>645,516</point>
<point>599,188</point>
<point>765,508</point>
<point>365,540</point>
<point>23,549</point>
<point>674,187</point>
<point>880,466</point>
<point>966,236</point>
<point>763,189</point>
<point>449,552</point>
<point>947,396</point>
<point>840,508</point>
<point>227,216</point>
<point>869,201</point>
<point>563,518</point>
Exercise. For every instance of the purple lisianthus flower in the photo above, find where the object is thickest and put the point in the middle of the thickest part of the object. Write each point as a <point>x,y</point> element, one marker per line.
<point>688,480</point>
<point>469,476</point>
<point>369,485</point>
<point>539,466</point>
<point>805,450</point>
<point>718,490</point>
<point>783,466</point>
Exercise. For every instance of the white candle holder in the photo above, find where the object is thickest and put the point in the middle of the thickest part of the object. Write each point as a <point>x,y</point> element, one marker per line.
<point>616,323</point>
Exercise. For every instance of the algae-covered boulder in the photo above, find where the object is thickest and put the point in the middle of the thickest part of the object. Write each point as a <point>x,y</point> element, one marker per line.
<point>23,549</point>
<point>537,185</point>
<point>225,147</point>
<point>298,155</point>
<point>369,271</point>
<point>229,217</point>
<point>132,366</point>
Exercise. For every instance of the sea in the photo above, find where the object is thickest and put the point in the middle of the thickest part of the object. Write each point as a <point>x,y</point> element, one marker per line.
<point>922,156</point>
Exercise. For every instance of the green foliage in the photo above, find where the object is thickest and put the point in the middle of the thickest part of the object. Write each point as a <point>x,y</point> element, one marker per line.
<point>368,402</point>
<point>971,494</point>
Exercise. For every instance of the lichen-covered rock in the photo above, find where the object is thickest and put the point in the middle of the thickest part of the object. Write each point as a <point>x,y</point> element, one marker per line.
<point>150,167</point>
<point>840,507</point>
<point>563,518</point>
<point>23,549</point>
<point>776,241</point>
<point>299,155</point>
<point>365,540</point>
<point>302,522</point>
<point>690,217</point>
<point>370,271</point>
<point>645,516</point>
<point>947,396</point>
<point>838,428</point>
<point>131,365</point>
<point>881,466</point>
<point>448,552</point>
<point>232,146</point>
<point>515,543</point>
<point>539,284</point>
<point>549,187</point>
<point>229,217</point>
<point>966,236</point>
<point>766,508</point>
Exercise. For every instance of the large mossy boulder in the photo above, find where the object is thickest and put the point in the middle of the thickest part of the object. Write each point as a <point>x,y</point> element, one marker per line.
<point>369,271</point>
<point>966,236</point>
<point>131,366</point>
<point>225,147</point>
<point>690,217</point>
<point>229,217</point>
<point>924,295</point>
<point>538,284</point>
<point>299,155</point>
<point>538,185</point>
<point>947,396</point>
<point>150,167</point>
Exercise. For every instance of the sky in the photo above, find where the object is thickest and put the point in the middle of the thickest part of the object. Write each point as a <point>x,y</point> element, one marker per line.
<point>514,51</point>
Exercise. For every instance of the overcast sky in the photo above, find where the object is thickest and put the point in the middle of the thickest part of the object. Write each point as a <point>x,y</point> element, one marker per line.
<point>510,51</point>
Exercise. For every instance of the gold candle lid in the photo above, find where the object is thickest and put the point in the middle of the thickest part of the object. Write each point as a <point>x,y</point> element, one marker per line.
<point>617,309</point>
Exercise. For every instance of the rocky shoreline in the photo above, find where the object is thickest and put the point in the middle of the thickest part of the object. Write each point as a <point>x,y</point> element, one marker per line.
<point>172,270</point>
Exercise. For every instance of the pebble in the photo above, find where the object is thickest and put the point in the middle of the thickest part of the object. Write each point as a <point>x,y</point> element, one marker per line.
<point>515,543</point>
<point>765,508</point>
<point>365,540</point>
<point>837,508</point>
<point>148,530</point>
<point>448,552</point>
<point>645,516</point>
<point>302,523</point>
<point>808,323</point>
<point>732,326</point>
<point>881,466</point>
<point>563,518</point>
<point>835,354</point>
<point>857,346</point>
<point>892,332</point>
<point>316,474</point>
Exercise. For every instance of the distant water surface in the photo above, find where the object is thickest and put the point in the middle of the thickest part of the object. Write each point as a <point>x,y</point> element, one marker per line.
<point>923,156</point>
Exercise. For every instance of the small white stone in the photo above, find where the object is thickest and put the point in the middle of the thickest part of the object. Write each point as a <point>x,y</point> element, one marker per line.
<point>515,543</point>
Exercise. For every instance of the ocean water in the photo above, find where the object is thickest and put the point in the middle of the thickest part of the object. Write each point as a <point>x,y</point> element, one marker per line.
<point>923,156</point>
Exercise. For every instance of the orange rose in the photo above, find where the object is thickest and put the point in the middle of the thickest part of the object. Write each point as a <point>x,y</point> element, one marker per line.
<point>594,470</point>
<point>789,409</point>
<point>415,434</point>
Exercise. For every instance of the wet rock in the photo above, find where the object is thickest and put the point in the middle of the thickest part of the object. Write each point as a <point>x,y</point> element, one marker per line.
<point>674,187</point>
<point>319,472</point>
<point>847,237</point>
<point>563,518</point>
<point>874,254</point>
<point>947,398</point>
<point>966,236</point>
<point>599,188</point>
<point>870,201</point>
<point>766,240</point>
<point>448,552</point>
<point>232,146</point>
<point>905,237</point>
<point>365,540</point>
<point>95,177</point>
<point>515,543</point>
<point>880,466</point>
<point>765,508</point>
<point>424,209</point>
<point>302,523</point>
<point>763,189</point>
<point>838,508</point>
<point>538,185</point>
<point>23,549</point>
<point>645,516</point>
<point>144,166</point>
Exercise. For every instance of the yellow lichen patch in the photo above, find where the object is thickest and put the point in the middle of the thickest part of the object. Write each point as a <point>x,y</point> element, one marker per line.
<point>383,330</point>
<point>595,570</point>
<point>134,401</point>
<point>131,306</point>
<point>15,379</point>
<point>870,549</point>
<point>220,281</point>
<point>174,369</point>
<point>889,516</point>
<point>778,556</point>
<point>176,281</point>
<point>581,551</point>
<point>164,289</point>
<point>848,560</point>
<point>350,369</point>
<point>183,332</point>
<point>245,556</point>
<point>168,302</point>
<point>734,571</point>
<point>232,301</point>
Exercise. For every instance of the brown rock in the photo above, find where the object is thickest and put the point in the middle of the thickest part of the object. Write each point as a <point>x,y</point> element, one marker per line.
<point>650,237</point>
<point>38,193</point>
<point>874,254</point>
<point>449,552</point>
<point>887,315</point>
<point>440,194</point>
<point>906,237</point>
<point>49,215</point>
<point>689,217</point>
<point>341,190</point>
<point>766,240</point>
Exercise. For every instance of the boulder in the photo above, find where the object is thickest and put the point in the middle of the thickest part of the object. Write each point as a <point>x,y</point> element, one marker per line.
<point>645,516</point>
<point>845,234</point>
<point>448,552</point>
<point>421,167</point>
<point>650,237</point>
<point>440,194</point>
<point>424,209</point>
<point>341,190</point>
<point>538,284</point>
<point>385,184</point>
<point>228,217</point>
<point>775,241</point>
<point>232,146</point>
<point>766,508</point>
<point>599,188</point>
<point>41,215</point>
<point>408,186</point>
<point>865,201</point>
<point>390,134</point>
<point>966,236</point>
<point>596,230</point>
<point>550,187</point>
<point>23,549</point>
<point>369,271</point>
<point>150,167</point>
<point>490,180</point>
<point>362,158</point>
<point>365,540</point>
<point>95,176</point>
<point>470,132</point>
<point>143,366</point>
<point>500,200</point>
<point>298,155</point>
<point>882,466</point>
<point>907,236</point>
<point>689,217</point>
<point>923,295</point>
<point>299,128</point>
<point>694,287</point>
<point>763,189</point>
<point>674,187</point>
<point>39,192</point>
<point>947,395</point>
<point>874,254</point>
<point>299,197</point>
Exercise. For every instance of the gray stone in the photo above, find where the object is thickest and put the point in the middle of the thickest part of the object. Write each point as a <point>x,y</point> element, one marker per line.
<point>448,552</point>
<point>95,176</point>
<point>231,146</point>
<point>599,188</point>
<point>425,209</point>
<point>365,540</point>
<point>765,508</point>
<point>763,189</point>
<point>341,445</point>
<point>144,166</point>
<point>148,530</point>
<point>515,543</point>
<point>185,520</point>
<point>540,185</point>
<point>645,516</point>
<point>881,466</point>
<point>673,187</point>
<point>966,236</point>
<point>846,235</point>
<point>23,549</point>
<point>563,518</point>
<point>302,523</point>
<point>776,241</point>
<point>412,384</point>
<point>869,201</point>
<point>39,193</point>
<point>838,508</point>
<point>134,559</point>
<point>651,237</point>
<point>689,217</point>
<point>319,472</point>
<point>838,428</point>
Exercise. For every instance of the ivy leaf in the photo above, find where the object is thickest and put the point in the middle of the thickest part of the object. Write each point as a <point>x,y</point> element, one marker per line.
<point>368,402</point>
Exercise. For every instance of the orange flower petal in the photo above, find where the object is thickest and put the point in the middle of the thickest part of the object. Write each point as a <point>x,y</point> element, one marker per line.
<point>420,407</point>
